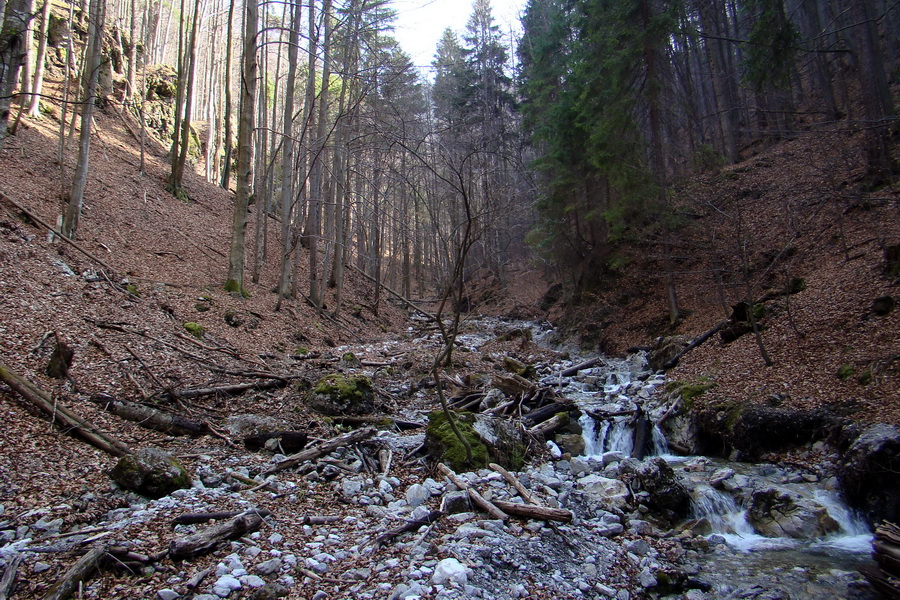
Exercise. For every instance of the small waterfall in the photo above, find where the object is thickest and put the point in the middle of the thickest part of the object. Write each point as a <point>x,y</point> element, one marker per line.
<point>727,519</point>
<point>855,534</point>
<point>606,436</point>
<point>660,445</point>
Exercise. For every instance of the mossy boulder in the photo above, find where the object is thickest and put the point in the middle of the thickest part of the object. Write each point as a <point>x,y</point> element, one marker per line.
<point>338,394</point>
<point>195,329</point>
<point>150,472</point>
<point>445,447</point>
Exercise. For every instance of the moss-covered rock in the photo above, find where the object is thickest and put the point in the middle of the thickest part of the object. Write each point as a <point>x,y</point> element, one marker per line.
<point>150,472</point>
<point>195,329</point>
<point>444,446</point>
<point>338,394</point>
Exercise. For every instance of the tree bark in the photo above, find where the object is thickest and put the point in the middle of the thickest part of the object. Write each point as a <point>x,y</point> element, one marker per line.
<point>79,572</point>
<point>39,60</point>
<point>12,53</point>
<point>207,539</point>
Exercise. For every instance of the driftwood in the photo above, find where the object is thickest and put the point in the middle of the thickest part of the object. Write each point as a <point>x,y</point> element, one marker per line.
<point>388,536</point>
<point>322,449</point>
<point>477,498</point>
<point>694,343</point>
<point>207,539</point>
<point>148,417</point>
<point>79,572</point>
<point>193,518</point>
<point>61,415</point>
<point>9,577</point>
<point>532,511</point>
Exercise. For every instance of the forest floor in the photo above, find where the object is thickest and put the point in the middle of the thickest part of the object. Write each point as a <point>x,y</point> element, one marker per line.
<point>129,339</point>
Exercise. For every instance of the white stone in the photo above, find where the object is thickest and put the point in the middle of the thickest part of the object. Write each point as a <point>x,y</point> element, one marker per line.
<point>450,570</point>
<point>555,452</point>
<point>603,490</point>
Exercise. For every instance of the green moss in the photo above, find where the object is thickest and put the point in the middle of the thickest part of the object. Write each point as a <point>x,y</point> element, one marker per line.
<point>865,378</point>
<point>759,311</point>
<point>301,351</point>
<point>201,307</point>
<point>132,289</point>
<point>845,372</point>
<point>519,368</point>
<point>195,329</point>
<point>337,394</point>
<point>689,391</point>
<point>444,446</point>
<point>234,287</point>
<point>796,285</point>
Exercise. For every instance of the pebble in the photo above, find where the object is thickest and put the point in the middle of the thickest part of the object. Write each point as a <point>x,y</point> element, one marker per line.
<point>268,567</point>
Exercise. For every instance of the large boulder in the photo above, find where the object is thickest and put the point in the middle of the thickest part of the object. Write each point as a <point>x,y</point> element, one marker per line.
<point>775,512</point>
<point>444,445</point>
<point>604,491</point>
<point>150,472</point>
<point>338,394</point>
<point>868,475</point>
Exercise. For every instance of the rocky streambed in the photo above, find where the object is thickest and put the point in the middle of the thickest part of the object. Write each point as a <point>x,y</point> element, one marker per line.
<point>362,521</point>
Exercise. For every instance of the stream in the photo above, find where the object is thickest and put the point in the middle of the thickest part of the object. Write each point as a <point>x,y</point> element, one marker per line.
<point>822,543</point>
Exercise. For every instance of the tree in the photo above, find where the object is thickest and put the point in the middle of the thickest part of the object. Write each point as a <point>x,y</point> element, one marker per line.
<point>13,26</point>
<point>90,78</point>
<point>40,59</point>
<point>235,280</point>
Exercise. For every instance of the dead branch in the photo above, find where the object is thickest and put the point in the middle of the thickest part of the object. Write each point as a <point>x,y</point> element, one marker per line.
<point>524,492</point>
<point>232,389</point>
<point>400,297</point>
<point>324,448</point>
<point>530,511</point>
<point>694,343</point>
<point>580,366</point>
<point>389,536</point>
<point>58,413</point>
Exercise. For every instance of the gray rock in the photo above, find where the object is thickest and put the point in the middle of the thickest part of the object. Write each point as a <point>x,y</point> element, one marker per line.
<point>775,512</point>
<point>320,595</point>
<point>613,456</point>
<point>456,502</point>
<point>573,443</point>
<point>646,578</point>
<point>868,475</point>
<point>604,491</point>
<point>637,547</point>
<point>225,585</point>
<point>450,570</point>
<point>167,594</point>
<point>47,525</point>
<point>417,494</point>
<point>40,567</point>
<point>268,567</point>
<point>252,581</point>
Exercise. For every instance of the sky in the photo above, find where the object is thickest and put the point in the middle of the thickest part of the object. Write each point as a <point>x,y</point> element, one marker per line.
<point>420,23</point>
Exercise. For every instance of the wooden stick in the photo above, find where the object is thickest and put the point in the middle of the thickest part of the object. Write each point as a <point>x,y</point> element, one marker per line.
<point>233,389</point>
<point>324,448</point>
<point>150,418</point>
<point>78,573</point>
<point>694,343</point>
<point>524,492</point>
<point>42,400</point>
<point>477,498</point>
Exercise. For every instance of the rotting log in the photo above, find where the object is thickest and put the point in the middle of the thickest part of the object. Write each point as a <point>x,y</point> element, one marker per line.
<point>61,415</point>
<point>233,389</point>
<point>79,572</point>
<point>325,447</point>
<point>414,525</point>
<point>150,418</point>
<point>532,511</point>
<point>551,425</point>
<point>479,500</point>
<point>545,412</point>
<point>207,539</point>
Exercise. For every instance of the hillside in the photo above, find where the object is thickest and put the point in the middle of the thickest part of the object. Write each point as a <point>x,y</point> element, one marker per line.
<point>796,214</point>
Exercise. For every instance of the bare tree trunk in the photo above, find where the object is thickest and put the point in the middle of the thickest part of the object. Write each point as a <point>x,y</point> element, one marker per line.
<point>40,59</point>
<point>91,74</point>
<point>287,155</point>
<point>235,281</point>
<point>226,165</point>
<point>185,133</point>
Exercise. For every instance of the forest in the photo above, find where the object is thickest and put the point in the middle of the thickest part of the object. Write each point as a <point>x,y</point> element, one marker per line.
<point>603,306</point>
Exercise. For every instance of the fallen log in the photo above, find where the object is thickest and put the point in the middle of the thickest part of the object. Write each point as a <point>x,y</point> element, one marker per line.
<point>479,500</point>
<point>149,418</point>
<point>580,366</point>
<point>531,511</point>
<point>203,517</point>
<point>388,536</point>
<point>551,425</point>
<point>325,447</point>
<point>289,442</point>
<point>61,415</point>
<point>545,412</point>
<point>79,572</point>
<point>207,539</point>
<point>233,389</point>
<point>694,343</point>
